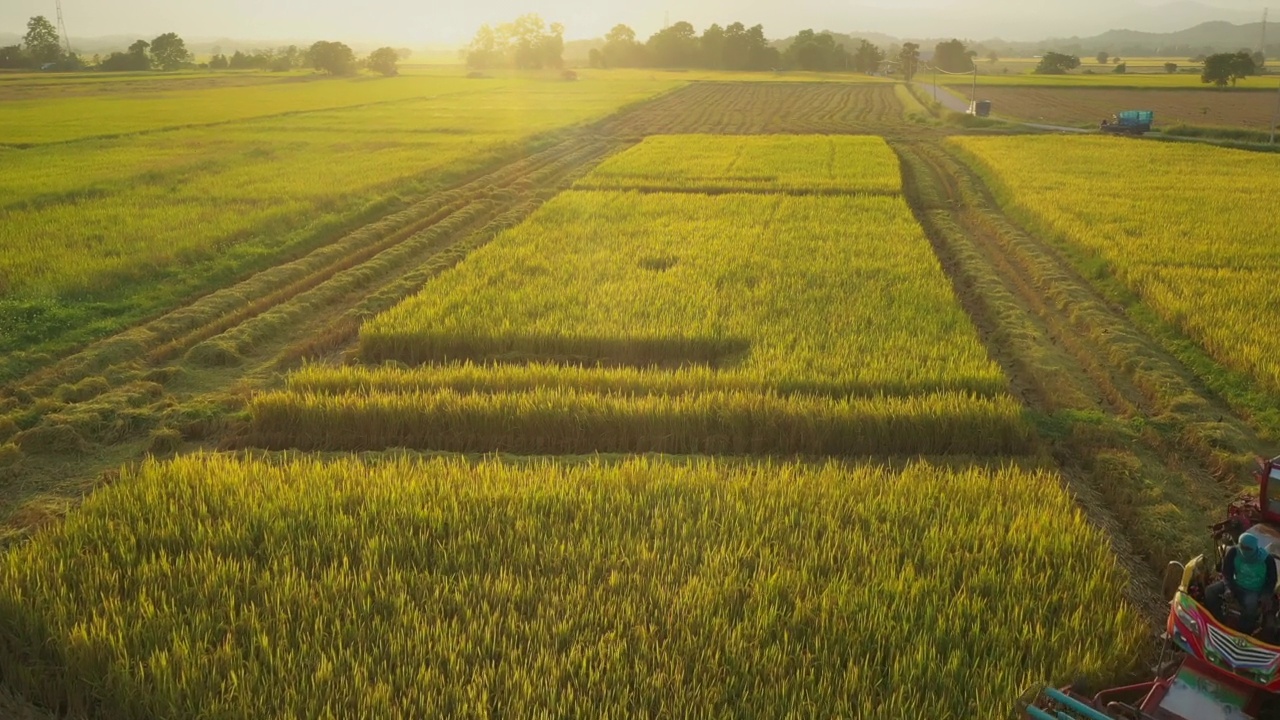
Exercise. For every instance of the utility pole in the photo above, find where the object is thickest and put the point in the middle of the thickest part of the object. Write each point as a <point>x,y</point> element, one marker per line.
<point>62,28</point>
<point>1263,47</point>
<point>1275,116</point>
<point>973,94</point>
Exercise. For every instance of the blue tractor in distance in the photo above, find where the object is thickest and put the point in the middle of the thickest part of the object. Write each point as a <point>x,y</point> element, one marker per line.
<point>1129,122</point>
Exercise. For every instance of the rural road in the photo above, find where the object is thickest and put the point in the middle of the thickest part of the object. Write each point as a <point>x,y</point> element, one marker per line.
<point>955,103</point>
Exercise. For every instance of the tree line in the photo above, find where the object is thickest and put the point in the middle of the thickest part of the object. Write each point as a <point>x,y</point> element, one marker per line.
<point>41,48</point>
<point>530,43</point>
<point>1220,69</point>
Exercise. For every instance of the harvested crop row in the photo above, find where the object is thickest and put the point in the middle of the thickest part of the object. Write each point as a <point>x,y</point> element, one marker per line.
<point>831,293</point>
<point>711,163</point>
<point>1200,260</point>
<point>567,422</point>
<point>470,377</point>
<point>403,588</point>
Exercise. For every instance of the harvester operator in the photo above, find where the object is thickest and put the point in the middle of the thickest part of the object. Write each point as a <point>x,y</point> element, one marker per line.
<point>1248,572</point>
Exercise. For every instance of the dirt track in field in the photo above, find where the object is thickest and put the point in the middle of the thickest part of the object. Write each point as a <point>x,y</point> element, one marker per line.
<point>1247,109</point>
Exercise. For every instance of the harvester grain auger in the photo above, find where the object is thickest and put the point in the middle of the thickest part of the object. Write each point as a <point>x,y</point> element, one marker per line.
<point>1208,670</point>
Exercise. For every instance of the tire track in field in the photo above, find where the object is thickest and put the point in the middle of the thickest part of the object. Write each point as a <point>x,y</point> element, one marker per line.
<point>182,377</point>
<point>1105,392</point>
<point>994,302</point>
<point>1136,376</point>
<point>178,330</point>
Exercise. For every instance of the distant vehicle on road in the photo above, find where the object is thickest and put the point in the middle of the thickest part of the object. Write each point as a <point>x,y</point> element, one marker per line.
<point>1129,122</point>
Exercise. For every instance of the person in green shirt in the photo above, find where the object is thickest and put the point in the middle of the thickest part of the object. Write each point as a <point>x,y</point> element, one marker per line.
<point>1250,575</point>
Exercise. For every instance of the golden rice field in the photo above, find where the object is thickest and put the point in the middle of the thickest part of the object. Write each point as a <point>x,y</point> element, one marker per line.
<point>779,322</point>
<point>709,434</point>
<point>397,587</point>
<point>53,120</point>
<point>95,213</point>
<point>806,291</point>
<point>743,163</point>
<point>1187,227</point>
<point>804,287</point>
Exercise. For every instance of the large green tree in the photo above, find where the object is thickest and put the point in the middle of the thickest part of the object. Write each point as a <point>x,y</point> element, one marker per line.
<point>675,46</point>
<point>334,58</point>
<point>712,45</point>
<point>1224,68</point>
<point>1055,63</point>
<point>867,57</point>
<point>816,51</point>
<point>528,43</point>
<point>953,56</point>
<point>169,52</point>
<point>384,60</point>
<point>909,60</point>
<point>485,50</point>
<point>136,59</point>
<point>621,49</point>
<point>12,58</point>
<point>41,41</point>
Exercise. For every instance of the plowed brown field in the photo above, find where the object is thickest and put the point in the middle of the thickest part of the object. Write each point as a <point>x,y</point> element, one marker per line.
<point>1087,106</point>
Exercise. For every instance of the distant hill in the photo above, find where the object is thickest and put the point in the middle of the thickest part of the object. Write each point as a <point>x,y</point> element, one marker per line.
<point>1203,39</point>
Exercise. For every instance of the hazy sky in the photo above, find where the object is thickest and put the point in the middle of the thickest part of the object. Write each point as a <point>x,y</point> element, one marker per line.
<point>418,22</point>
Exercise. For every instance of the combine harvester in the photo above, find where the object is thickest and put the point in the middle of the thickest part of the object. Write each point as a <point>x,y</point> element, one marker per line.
<point>1207,670</point>
<point>1129,122</point>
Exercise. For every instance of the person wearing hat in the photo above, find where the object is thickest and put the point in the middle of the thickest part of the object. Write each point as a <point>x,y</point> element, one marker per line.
<point>1248,572</point>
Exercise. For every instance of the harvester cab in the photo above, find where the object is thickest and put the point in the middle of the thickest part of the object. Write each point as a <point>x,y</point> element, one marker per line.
<point>1208,670</point>
<point>1129,122</point>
